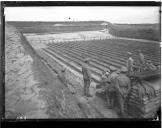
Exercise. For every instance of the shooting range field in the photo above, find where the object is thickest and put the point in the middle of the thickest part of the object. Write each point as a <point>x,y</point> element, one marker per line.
<point>53,45</point>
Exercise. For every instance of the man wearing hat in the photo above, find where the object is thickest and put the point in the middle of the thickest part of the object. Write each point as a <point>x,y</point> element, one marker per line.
<point>122,86</point>
<point>141,60</point>
<point>111,93</point>
<point>113,73</point>
<point>129,63</point>
<point>141,57</point>
<point>86,77</point>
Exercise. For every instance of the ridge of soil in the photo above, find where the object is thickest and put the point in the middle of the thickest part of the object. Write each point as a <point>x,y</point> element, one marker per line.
<point>31,89</point>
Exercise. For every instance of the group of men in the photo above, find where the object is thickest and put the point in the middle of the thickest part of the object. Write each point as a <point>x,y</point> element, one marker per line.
<point>115,82</point>
<point>140,65</point>
<point>116,85</point>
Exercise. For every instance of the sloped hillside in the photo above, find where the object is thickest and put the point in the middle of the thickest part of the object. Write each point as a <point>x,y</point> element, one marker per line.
<point>136,31</point>
<point>31,89</point>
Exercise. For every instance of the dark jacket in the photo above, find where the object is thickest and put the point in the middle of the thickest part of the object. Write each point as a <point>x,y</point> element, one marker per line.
<point>129,64</point>
<point>112,79</point>
<point>123,84</point>
<point>86,72</point>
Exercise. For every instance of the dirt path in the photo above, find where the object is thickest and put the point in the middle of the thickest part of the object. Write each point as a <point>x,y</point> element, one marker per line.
<point>97,104</point>
<point>31,89</point>
<point>21,87</point>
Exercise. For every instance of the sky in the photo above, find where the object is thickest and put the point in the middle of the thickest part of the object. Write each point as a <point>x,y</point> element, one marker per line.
<point>113,14</point>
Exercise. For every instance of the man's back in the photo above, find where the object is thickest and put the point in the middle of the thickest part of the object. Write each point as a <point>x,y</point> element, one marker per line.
<point>130,64</point>
<point>85,71</point>
<point>123,82</point>
<point>141,58</point>
<point>112,79</point>
<point>113,76</point>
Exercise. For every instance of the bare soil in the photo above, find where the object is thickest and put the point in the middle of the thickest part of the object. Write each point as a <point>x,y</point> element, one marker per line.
<point>31,89</point>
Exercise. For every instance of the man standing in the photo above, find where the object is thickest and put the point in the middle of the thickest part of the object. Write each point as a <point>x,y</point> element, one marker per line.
<point>141,57</point>
<point>129,63</point>
<point>111,89</point>
<point>86,77</point>
<point>141,60</point>
<point>122,86</point>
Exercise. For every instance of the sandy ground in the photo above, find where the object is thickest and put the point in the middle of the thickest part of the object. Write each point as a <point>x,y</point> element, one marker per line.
<point>32,90</point>
<point>21,88</point>
<point>44,39</point>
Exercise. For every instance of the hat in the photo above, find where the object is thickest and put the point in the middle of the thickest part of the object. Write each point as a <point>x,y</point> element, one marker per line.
<point>124,69</point>
<point>112,68</point>
<point>63,70</point>
<point>86,59</point>
<point>129,53</point>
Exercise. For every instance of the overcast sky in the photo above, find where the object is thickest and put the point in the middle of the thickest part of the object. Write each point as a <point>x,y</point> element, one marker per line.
<point>112,14</point>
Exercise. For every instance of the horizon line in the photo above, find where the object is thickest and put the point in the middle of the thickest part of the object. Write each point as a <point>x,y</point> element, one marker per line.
<point>78,21</point>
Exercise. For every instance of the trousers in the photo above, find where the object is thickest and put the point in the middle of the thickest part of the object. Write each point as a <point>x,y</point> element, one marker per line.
<point>121,99</point>
<point>86,86</point>
<point>112,97</point>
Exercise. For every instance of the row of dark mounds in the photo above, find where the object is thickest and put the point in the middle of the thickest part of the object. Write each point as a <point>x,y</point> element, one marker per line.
<point>54,102</point>
<point>32,91</point>
<point>144,99</point>
<point>140,31</point>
